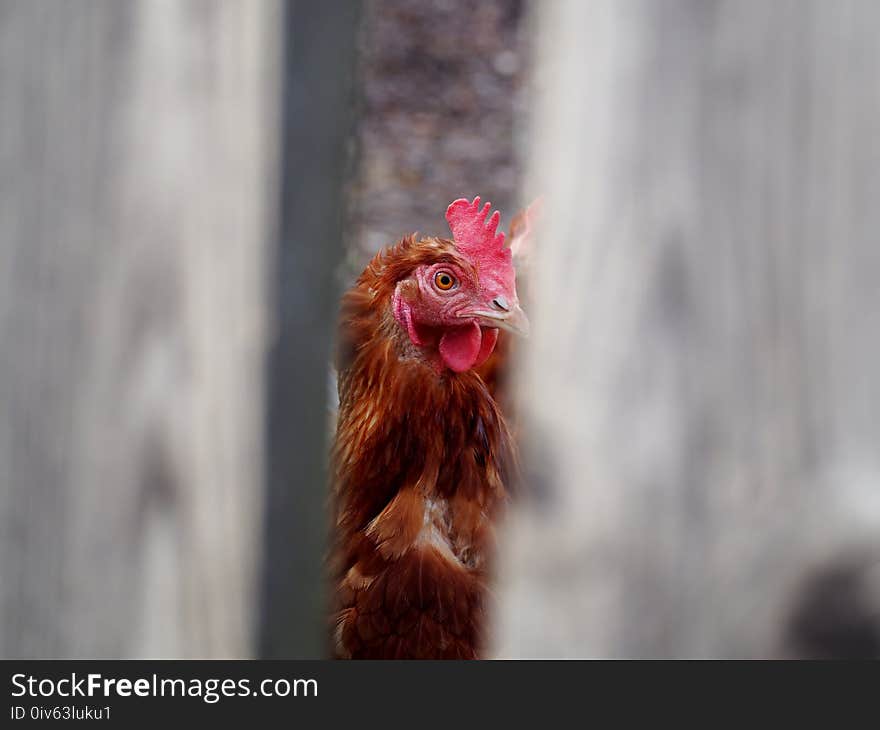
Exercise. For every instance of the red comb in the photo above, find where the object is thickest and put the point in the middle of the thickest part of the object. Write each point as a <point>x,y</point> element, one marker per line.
<point>478,240</point>
<point>472,233</point>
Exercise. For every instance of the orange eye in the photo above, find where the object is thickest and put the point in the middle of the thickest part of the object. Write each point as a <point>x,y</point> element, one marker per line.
<point>444,281</point>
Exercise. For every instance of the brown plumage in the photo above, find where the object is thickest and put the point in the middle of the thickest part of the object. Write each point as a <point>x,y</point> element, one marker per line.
<point>422,464</point>
<point>496,372</point>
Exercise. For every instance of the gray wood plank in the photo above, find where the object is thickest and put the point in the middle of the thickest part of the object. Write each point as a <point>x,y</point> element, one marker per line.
<point>702,380</point>
<point>138,149</point>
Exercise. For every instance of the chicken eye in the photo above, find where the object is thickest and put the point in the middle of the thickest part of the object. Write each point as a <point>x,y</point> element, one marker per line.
<point>444,281</point>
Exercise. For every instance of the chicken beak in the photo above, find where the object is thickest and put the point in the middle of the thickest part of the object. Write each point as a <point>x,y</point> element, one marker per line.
<point>516,322</point>
<point>513,319</point>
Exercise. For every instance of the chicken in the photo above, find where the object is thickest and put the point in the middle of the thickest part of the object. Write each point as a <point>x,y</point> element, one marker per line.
<point>422,457</point>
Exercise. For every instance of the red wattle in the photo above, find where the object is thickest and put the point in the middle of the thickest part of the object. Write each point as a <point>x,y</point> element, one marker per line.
<point>490,337</point>
<point>460,347</point>
<point>466,347</point>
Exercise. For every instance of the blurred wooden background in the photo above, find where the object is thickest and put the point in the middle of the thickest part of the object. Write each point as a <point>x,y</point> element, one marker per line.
<point>139,148</point>
<point>703,373</point>
<point>170,224</point>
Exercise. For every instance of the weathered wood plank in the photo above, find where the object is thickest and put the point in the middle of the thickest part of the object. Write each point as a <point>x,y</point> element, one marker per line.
<point>702,378</point>
<point>138,151</point>
<point>319,65</point>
